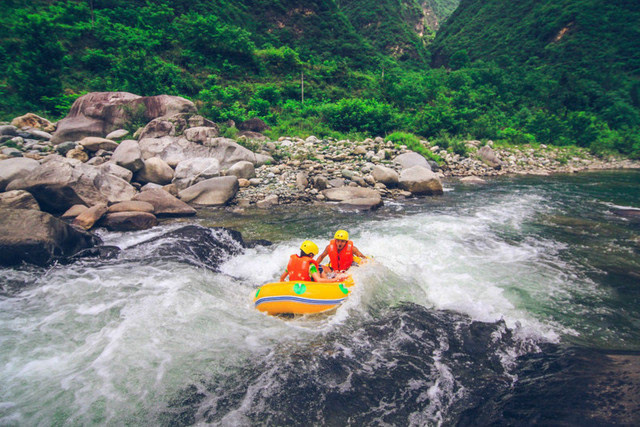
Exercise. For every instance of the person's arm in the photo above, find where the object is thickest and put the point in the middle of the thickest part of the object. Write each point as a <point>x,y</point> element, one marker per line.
<point>284,275</point>
<point>317,278</point>
<point>357,253</point>
<point>323,254</point>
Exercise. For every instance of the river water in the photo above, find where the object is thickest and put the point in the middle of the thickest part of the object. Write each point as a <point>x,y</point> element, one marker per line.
<point>514,302</point>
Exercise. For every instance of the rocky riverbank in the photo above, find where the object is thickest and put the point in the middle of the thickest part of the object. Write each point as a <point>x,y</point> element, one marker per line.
<point>89,170</point>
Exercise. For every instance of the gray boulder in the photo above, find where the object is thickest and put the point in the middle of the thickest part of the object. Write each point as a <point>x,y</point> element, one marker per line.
<point>31,120</point>
<point>385,175</point>
<point>354,197</point>
<point>16,168</point>
<point>119,171</point>
<point>420,180</point>
<point>128,155</point>
<point>408,160</point>
<point>201,134</point>
<point>488,156</point>
<point>191,171</point>
<point>164,204</point>
<point>38,238</point>
<point>8,130</point>
<point>59,183</point>
<point>18,199</point>
<point>99,113</point>
<point>117,134</point>
<point>155,170</point>
<point>211,192</point>
<point>131,206</point>
<point>242,169</point>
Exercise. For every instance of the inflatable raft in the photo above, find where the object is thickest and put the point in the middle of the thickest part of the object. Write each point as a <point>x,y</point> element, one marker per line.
<point>300,297</point>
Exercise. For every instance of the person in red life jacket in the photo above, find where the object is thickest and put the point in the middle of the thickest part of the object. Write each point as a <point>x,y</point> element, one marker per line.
<point>341,251</point>
<point>304,268</point>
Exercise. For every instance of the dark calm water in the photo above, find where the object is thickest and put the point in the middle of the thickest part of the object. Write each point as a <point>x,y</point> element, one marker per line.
<point>516,302</point>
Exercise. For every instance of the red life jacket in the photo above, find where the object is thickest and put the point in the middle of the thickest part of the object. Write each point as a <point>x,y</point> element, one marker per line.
<point>298,267</point>
<point>341,260</point>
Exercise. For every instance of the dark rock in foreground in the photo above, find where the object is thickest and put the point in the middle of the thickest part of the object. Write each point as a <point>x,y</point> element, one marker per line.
<point>38,238</point>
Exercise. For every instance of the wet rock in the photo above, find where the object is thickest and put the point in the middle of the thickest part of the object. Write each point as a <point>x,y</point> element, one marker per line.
<point>195,245</point>
<point>90,216</point>
<point>16,168</point>
<point>420,180</point>
<point>18,199</point>
<point>38,238</point>
<point>164,204</point>
<point>630,214</point>
<point>344,194</point>
<point>129,221</point>
<point>211,192</point>
<point>473,180</point>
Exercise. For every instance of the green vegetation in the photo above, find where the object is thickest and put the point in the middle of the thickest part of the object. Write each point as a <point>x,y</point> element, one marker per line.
<point>554,72</point>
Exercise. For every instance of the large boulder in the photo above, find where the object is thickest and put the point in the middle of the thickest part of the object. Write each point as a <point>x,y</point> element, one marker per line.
<point>114,169</point>
<point>155,170</point>
<point>211,192</point>
<point>99,113</point>
<point>31,120</point>
<point>242,169</point>
<point>174,150</point>
<point>89,217</point>
<point>488,156</point>
<point>411,159</point>
<point>38,238</point>
<point>59,183</point>
<point>131,206</point>
<point>128,155</point>
<point>201,134</point>
<point>164,204</point>
<point>16,168</point>
<point>420,180</point>
<point>354,197</point>
<point>385,175</point>
<point>191,171</point>
<point>18,199</point>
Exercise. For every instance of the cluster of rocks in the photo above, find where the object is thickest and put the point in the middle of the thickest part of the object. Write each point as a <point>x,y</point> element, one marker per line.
<point>92,171</point>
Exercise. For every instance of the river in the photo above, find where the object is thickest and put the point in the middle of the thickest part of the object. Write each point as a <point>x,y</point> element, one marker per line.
<point>513,302</point>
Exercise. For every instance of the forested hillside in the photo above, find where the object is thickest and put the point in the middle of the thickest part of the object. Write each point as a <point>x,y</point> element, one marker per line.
<point>555,72</point>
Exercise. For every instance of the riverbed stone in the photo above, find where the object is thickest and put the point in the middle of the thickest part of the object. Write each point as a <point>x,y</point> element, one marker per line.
<point>117,134</point>
<point>211,192</point>
<point>473,180</point>
<point>420,180</point>
<point>342,194</point>
<point>18,199</point>
<point>74,211</point>
<point>191,171</point>
<point>131,206</point>
<point>128,155</point>
<point>410,159</point>
<point>385,175</point>
<point>114,169</point>
<point>59,183</point>
<point>78,154</point>
<point>16,168</point>
<point>155,170</point>
<point>94,143</point>
<point>129,221</point>
<point>242,169</point>
<point>201,134</point>
<point>38,238</point>
<point>489,157</point>
<point>164,204</point>
<point>31,120</point>
<point>90,216</point>
<point>268,202</point>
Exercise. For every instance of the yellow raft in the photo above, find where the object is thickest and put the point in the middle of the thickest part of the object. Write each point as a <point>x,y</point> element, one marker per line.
<point>301,297</point>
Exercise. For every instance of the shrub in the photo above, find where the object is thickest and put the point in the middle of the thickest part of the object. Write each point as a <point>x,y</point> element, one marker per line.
<point>360,115</point>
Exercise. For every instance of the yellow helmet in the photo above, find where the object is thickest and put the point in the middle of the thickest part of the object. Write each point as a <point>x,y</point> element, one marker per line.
<point>309,248</point>
<point>341,235</point>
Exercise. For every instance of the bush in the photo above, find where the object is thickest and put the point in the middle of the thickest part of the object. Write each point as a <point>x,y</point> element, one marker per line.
<point>413,143</point>
<point>361,115</point>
